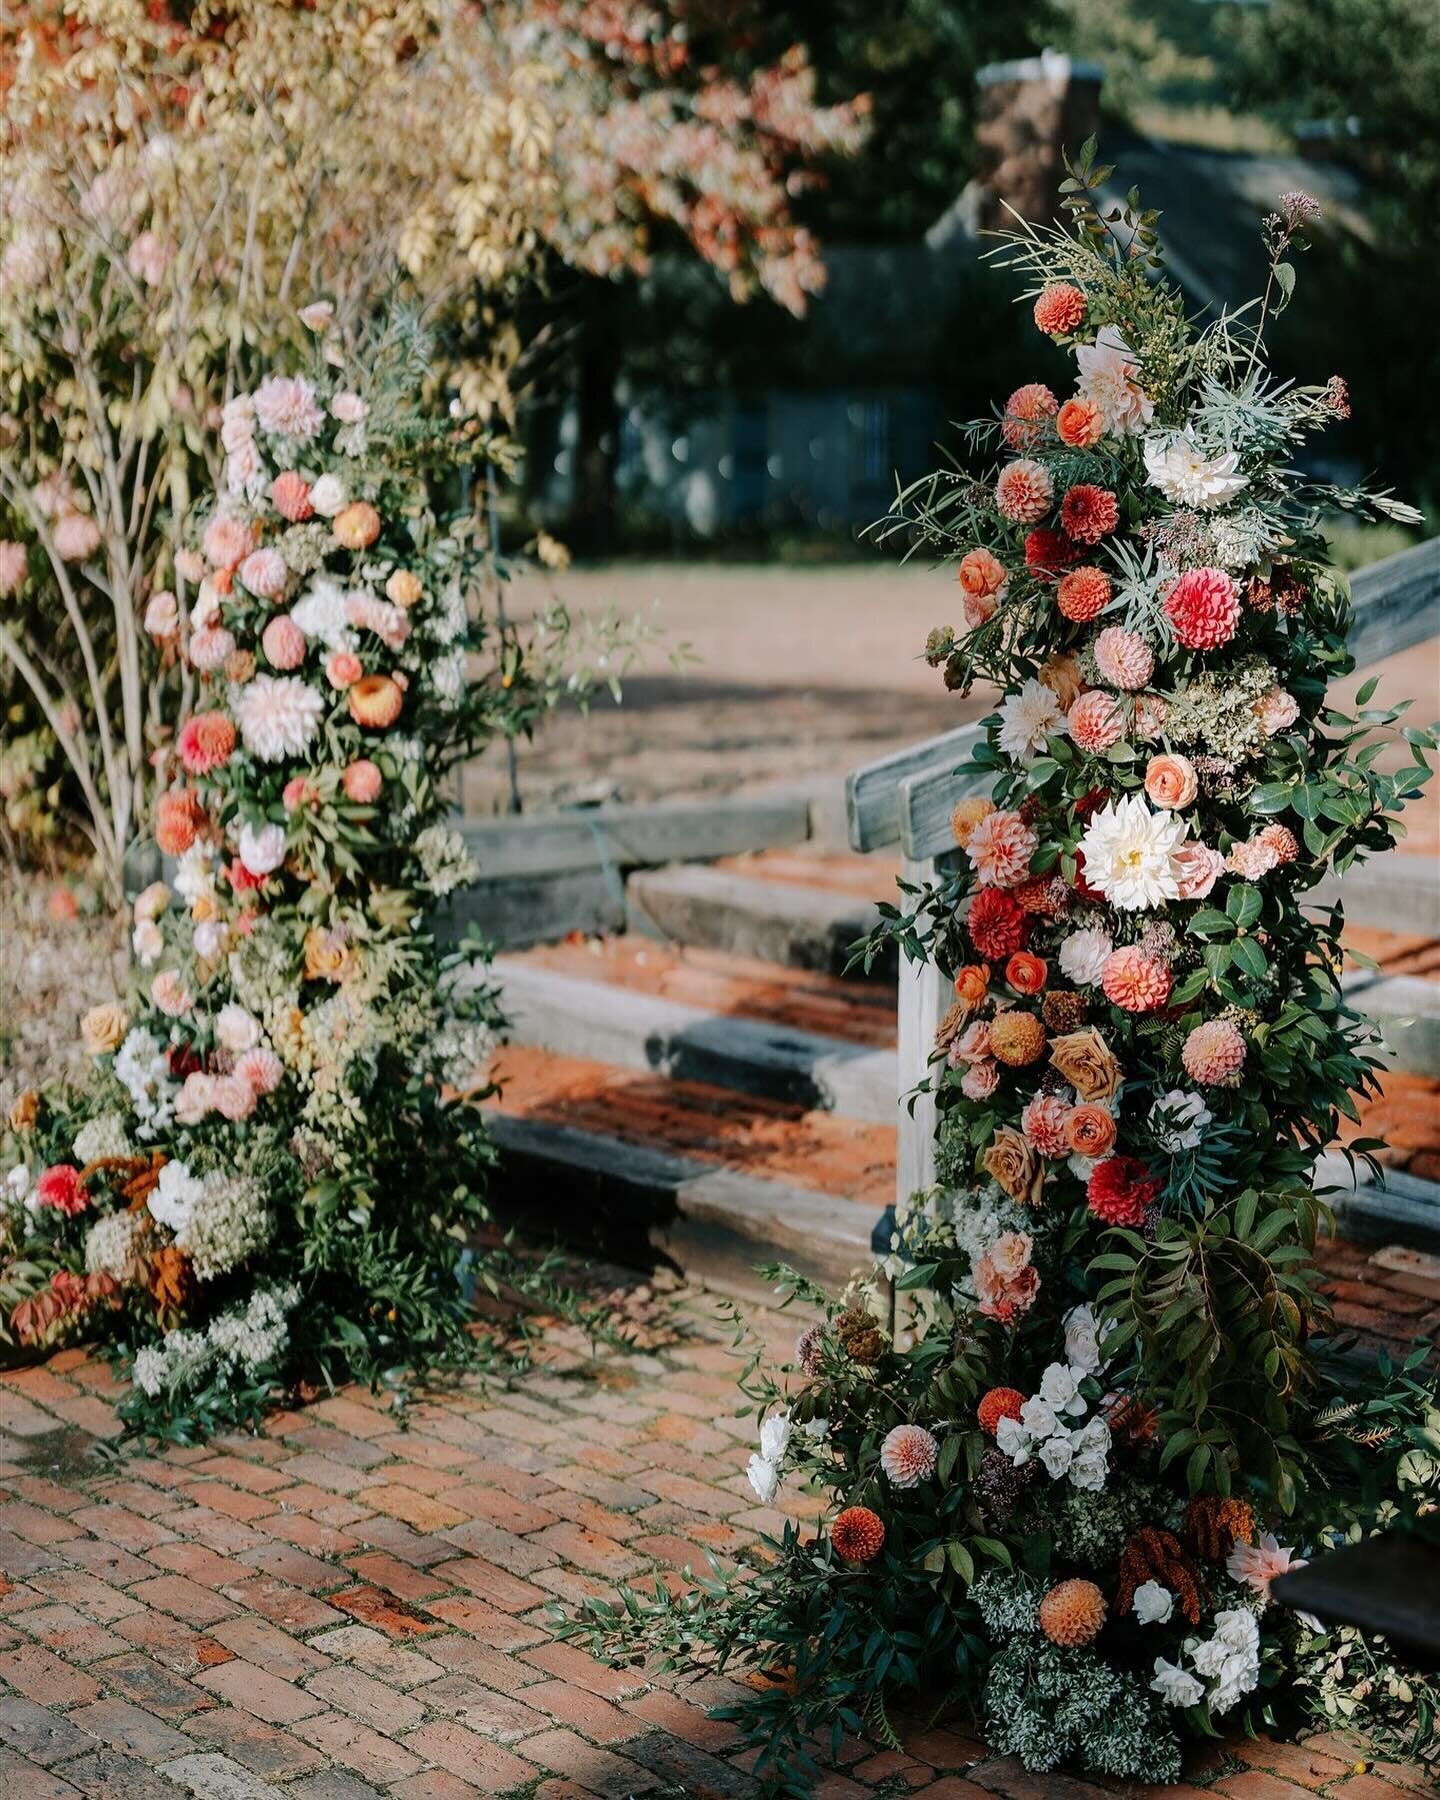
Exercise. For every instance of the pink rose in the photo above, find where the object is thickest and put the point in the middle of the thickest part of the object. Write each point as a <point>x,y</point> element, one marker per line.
<point>362,782</point>
<point>343,669</point>
<point>1199,869</point>
<point>1171,782</point>
<point>980,1080</point>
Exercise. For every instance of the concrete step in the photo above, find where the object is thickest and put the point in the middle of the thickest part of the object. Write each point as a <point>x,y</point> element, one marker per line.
<point>725,1021</point>
<point>713,1180</point>
<point>1407,1010</point>
<point>782,921</point>
<point>1398,1208</point>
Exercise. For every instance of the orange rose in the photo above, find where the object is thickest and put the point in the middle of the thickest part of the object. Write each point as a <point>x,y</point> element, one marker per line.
<point>357,525</point>
<point>25,1110</point>
<point>1026,973</point>
<point>1090,1131</point>
<point>1080,423</point>
<point>981,575</point>
<point>1171,781</point>
<point>375,701</point>
<point>403,588</point>
<point>972,984</point>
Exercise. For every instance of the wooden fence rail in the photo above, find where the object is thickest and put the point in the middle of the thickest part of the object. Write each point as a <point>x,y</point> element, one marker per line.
<point>907,798</point>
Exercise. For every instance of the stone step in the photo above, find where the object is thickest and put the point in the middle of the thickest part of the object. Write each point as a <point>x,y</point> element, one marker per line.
<point>713,1180</point>
<point>779,919</point>
<point>626,1004</point>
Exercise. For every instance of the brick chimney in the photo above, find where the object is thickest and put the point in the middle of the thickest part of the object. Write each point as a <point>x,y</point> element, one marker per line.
<point>1030,111</point>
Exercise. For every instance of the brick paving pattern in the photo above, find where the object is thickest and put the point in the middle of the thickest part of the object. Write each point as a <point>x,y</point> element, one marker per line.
<point>339,1609</point>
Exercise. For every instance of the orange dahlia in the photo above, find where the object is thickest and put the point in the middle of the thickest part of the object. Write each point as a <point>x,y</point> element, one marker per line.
<point>1214,1054</point>
<point>1000,1403</point>
<point>1135,981</point>
<point>1026,411</point>
<point>179,819</point>
<point>1060,308</point>
<point>968,814</point>
<point>1083,593</point>
<point>1016,1038</point>
<point>1088,512</point>
<point>858,1534</point>
<point>1072,1613</point>
<point>1024,491</point>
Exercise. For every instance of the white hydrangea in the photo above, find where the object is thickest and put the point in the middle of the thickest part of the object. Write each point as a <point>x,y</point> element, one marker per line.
<point>259,1334</point>
<point>444,861</point>
<point>101,1137</point>
<point>111,1244</point>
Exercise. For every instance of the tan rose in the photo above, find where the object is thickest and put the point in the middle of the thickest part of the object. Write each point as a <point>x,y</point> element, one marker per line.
<point>328,955</point>
<point>103,1028</point>
<point>1087,1063</point>
<point>25,1110</point>
<point>239,666</point>
<point>1061,674</point>
<point>1012,1162</point>
<point>404,588</point>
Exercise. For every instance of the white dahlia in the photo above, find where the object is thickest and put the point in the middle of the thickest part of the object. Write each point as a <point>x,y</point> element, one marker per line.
<point>1108,372</point>
<point>1183,473</point>
<point>1027,718</point>
<point>323,612</point>
<point>278,716</point>
<point>1082,955</point>
<point>1131,854</point>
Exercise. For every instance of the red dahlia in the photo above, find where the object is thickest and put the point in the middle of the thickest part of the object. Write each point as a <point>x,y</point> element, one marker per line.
<point>1088,512</point>
<point>1047,552</point>
<point>997,923</point>
<point>61,1187</point>
<point>1121,1190</point>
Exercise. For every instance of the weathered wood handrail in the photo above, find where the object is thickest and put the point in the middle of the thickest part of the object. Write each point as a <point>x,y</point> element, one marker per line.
<point>908,796</point>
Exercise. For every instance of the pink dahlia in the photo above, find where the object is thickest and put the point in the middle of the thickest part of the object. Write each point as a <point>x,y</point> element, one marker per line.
<point>1026,411</point>
<point>61,1187</point>
<point>1060,309</point>
<point>206,741</point>
<point>13,566</point>
<point>210,646</point>
<point>285,406</point>
<point>1135,981</point>
<point>1045,1121</point>
<point>1024,491</point>
<point>1214,1054</point>
<point>362,782</point>
<point>1096,721</point>
<point>227,541</point>
<point>1000,847</point>
<point>290,495</point>
<point>1088,512</point>
<point>909,1455</point>
<point>1203,608</point>
<point>1121,1190</point>
<point>264,573</point>
<point>76,536</point>
<point>1150,711</point>
<point>1257,1565</point>
<point>283,643</point>
<point>1123,658</point>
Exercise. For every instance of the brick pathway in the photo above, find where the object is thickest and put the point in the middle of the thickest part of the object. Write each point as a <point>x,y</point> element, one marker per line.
<point>339,1609</point>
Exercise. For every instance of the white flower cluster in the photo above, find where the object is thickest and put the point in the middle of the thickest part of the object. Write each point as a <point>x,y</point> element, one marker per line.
<point>460,1047</point>
<point>444,861</point>
<point>249,1340</point>
<point>142,1070</point>
<point>1052,1426</point>
<point>1229,1661</point>
<point>175,1196</point>
<point>112,1243</point>
<point>1177,1119</point>
<point>228,1224</point>
<point>447,676</point>
<point>101,1137</point>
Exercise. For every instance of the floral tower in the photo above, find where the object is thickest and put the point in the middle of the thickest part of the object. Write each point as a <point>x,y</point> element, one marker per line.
<point>1062,1501</point>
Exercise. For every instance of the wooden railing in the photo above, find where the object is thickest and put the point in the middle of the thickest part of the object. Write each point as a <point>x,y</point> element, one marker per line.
<point>907,798</point>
